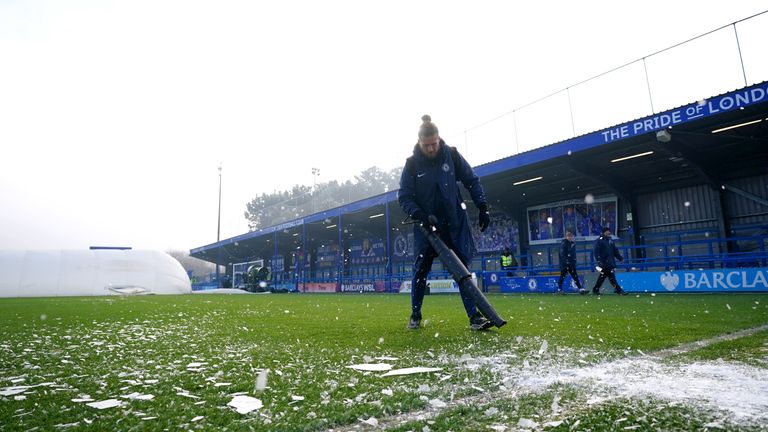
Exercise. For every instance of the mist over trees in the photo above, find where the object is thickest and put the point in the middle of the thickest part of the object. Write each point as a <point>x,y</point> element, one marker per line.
<point>200,269</point>
<point>274,208</point>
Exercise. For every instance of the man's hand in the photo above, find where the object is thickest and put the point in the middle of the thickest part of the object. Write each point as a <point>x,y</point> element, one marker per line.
<point>432,223</point>
<point>429,222</point>
<point>484,218</point>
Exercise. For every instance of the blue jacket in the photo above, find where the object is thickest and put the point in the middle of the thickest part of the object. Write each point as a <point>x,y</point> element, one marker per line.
<point>606,253</point>
<point>567,254</point>
<point>430,185</point>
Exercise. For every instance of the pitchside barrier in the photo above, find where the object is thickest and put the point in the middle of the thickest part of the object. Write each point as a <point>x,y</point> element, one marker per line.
<point>680,281</point>
<point>709,264</point>
<point>204,286</point>
<point>721,280</point>
<point>747,279</point>
<point>725,279</point>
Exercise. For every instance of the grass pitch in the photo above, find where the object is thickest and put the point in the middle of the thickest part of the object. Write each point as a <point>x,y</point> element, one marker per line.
<point>175,362</point>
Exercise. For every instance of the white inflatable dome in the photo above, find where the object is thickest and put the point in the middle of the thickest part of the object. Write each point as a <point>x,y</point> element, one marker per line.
<point>49,273</point>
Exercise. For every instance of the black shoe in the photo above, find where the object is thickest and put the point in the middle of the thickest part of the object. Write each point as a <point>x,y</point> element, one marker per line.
<point>559,292</point>
<point>595,291</point>
<point>478,322</point>
<point>582,291</point>
<point>414,322</point>
<point>620,291</point>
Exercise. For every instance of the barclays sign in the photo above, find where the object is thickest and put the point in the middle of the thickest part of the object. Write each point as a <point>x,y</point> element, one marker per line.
<point>742,279</point>
<point>723,280</point>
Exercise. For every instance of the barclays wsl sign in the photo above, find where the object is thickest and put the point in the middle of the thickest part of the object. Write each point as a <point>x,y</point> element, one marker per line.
<point>724,280</point>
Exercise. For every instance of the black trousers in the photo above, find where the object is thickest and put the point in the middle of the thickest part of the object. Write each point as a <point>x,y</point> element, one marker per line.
<point>611,278</point>
<point>421,269</point>
<point>571,271</point>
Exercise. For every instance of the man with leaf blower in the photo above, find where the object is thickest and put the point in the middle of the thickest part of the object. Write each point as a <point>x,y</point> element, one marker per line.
<point>429,194</point>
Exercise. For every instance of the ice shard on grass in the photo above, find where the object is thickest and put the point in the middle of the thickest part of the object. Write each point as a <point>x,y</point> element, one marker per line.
<point>10,391</point>
<point>138,396</point>
<point>245,404</point>
<point>387,358</point>
<point>371,367</point>
<point>527,423</point>
<point>261,380</point>
<point>437,403</point>
<point>109,403</point>
<point>409,371</point>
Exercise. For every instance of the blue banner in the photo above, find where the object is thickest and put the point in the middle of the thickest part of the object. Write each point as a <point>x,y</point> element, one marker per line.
<point>723,280</point>
<point>705,108</point>
<point>277,263</point>
<point>402,247</point>
<point>327,256</point>
<point>367,251</point>
<point>535,284</point>
<point>548,223</point>
<point>749,96</point>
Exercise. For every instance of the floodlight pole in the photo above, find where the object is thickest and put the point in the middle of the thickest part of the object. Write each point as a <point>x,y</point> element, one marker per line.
<point>315,173</point>
<point>218,227</point>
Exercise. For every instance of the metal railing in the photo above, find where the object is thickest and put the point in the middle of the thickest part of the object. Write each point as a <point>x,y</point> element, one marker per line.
<point>666,256</point>
<point>673,256</point>
<point>718,61</point>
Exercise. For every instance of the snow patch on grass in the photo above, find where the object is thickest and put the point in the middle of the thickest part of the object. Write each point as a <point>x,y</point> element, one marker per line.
<point>741,391</point>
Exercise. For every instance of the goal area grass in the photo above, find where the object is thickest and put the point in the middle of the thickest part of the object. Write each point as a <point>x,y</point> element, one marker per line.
<point>326,361</point>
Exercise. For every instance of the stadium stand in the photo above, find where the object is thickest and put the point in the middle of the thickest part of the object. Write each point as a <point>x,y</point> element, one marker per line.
<point>685,189</point>
<point>698,204</point>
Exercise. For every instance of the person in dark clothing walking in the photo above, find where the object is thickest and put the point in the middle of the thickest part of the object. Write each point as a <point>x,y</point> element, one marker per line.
<point>606,254</point>
<point>568,262</point>
<point>429,194</point>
